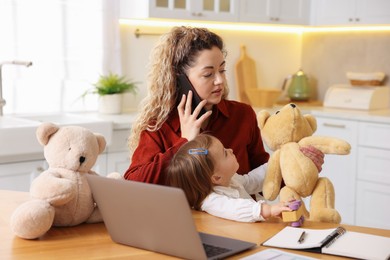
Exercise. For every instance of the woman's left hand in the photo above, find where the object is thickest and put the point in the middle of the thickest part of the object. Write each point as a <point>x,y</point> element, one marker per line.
<point>315,155</point>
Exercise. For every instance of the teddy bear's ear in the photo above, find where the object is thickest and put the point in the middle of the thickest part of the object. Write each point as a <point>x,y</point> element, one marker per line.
<point>312,121</point>
<point>101,141</point>
<point>262,117</point>
<point>45,131</point>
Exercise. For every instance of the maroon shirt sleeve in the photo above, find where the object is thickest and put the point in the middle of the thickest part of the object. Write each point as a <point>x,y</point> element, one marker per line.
<point>153,154</point>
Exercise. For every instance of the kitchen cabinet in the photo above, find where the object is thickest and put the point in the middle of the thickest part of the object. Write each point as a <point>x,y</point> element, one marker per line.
<point>275,11</point>
<point>118,156</point>
<point>118,162</point>
<point>341,169</point>
<point>350,12</point>
<point>208,10</point>
<point>373,178</point>
<point>18,176</point>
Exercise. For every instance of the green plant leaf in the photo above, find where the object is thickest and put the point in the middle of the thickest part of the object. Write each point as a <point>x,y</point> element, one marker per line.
<point>112,84</point>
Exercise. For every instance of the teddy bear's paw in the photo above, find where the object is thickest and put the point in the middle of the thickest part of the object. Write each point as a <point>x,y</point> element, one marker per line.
<point>115,175</point>
<point>325,215</point>
<point>32,219</point>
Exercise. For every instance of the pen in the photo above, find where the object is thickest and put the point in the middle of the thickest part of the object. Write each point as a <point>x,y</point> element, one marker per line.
<point>302,237</point>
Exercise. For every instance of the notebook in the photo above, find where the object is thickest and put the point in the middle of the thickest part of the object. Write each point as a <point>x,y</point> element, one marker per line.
<point>335,241</point>
<point>156,218</point>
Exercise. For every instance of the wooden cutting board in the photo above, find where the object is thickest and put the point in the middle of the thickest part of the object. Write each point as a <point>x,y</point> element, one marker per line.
<point>245,72</point>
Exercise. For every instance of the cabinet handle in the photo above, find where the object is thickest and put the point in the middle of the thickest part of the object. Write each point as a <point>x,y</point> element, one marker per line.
<point>357,19</point>
<point>196,14</point>
<point>333,125</point>
<point>350,19</point>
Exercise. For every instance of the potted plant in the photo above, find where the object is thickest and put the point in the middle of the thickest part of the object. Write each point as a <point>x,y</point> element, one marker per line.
<point>110,88</point>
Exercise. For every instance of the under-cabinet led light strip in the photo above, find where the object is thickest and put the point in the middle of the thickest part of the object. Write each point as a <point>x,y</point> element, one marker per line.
<point>252,27</point>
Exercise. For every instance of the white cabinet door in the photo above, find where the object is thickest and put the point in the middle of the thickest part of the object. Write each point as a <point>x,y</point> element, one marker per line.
<point>373,11</point>
<point>372,205</point>
<point>100,166</point>
<point>210,10</point>
<point>373,185</point>
<point>175,9</point>
<point>215,10</point>
<point>351,12</point>
<point>341,169</point>
<point>118,162</point>
<point>275,11</point>
<point>18,176</point>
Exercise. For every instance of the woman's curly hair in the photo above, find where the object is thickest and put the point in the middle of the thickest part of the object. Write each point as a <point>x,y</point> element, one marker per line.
<point>175,52</point>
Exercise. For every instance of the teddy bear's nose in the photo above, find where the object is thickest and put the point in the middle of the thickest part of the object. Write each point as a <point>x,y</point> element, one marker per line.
<point>292,105</point>
<point>81,159</point>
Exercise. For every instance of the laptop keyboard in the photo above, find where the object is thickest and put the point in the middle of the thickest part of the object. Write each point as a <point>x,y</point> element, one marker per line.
<point>214,250</point>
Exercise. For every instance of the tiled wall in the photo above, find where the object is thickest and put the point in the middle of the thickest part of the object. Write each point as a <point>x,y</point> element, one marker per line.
<point>326,57</point>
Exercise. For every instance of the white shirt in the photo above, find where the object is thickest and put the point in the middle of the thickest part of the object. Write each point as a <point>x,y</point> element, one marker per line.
<point>234,202</point>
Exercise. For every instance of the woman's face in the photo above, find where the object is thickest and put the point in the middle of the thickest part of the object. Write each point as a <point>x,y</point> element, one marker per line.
<point>208,76</point>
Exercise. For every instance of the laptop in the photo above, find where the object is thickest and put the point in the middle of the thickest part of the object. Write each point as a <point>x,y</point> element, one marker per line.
<point>156,218</point>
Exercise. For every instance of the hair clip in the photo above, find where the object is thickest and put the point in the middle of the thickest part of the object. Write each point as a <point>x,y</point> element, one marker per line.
<point>198,151</point>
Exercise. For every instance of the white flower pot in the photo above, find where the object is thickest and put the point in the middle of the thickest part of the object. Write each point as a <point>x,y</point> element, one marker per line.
<point>110,104</point>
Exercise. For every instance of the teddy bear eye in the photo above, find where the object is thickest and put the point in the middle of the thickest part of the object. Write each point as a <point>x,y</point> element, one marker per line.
<point>277,112</point>
<point>69,148</point>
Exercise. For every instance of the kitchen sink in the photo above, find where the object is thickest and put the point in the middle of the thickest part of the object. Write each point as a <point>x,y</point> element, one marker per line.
<point>17,133</point>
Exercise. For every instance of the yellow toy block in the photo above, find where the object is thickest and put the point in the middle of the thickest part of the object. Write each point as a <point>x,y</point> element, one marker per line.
<point>292,216</point>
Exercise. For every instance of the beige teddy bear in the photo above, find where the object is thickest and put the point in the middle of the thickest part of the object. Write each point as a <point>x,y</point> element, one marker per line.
<point>284,133</point>
<point>61,195</point>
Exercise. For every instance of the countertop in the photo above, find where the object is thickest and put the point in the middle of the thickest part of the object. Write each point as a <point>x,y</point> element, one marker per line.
<point>125,120</point>
<point>120,121</point>
<point>372,116</point>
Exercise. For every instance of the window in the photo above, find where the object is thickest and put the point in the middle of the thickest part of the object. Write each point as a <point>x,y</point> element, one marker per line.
<point>70,43</point>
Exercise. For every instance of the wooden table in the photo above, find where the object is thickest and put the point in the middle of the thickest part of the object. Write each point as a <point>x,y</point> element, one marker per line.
<point>92,240</point>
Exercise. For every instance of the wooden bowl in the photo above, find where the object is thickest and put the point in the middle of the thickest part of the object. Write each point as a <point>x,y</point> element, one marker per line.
<point>263,97</point>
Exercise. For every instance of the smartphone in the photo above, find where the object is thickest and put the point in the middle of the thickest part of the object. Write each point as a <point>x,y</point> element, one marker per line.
<point>184,85</point>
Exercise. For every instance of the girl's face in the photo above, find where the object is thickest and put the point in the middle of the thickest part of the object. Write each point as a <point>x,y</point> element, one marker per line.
<point>225,161</point>
<point>208,76</point>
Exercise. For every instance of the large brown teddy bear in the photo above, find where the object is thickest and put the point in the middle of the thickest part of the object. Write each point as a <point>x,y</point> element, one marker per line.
<point>284,133</point>
<point>61,195</point>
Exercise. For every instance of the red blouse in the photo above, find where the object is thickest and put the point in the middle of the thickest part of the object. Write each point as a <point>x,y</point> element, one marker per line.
<point>232,122</point>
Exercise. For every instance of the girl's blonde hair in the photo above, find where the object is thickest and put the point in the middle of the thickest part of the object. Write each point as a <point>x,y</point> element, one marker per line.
<point>192,172</point>
<point>175,52</point>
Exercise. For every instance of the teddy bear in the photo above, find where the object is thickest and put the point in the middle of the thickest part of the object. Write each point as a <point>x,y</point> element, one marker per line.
<point>61,195</point>
<point>284,132</point>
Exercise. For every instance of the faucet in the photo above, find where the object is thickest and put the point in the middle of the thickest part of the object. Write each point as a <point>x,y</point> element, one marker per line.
<point>15,62</point>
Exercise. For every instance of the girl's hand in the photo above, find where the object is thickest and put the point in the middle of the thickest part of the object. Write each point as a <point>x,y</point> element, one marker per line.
<point>273,210</point>
<point>189,124</point>
<point>315,155</point>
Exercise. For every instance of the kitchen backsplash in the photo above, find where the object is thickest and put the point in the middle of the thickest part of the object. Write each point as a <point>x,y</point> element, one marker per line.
<point>324,56</point>
<point>328,56</point>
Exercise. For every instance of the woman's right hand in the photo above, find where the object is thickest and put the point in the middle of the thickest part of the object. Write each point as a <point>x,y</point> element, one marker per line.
<point>189,123</point>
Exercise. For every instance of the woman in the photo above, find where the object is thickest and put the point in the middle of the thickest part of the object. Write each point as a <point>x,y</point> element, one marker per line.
<point>166,121</point>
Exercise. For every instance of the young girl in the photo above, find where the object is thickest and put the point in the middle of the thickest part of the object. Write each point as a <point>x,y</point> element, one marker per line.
<point>207,172</point>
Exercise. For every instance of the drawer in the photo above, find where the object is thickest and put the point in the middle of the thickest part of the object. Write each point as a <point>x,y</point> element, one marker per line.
<point>374,165</point>
<point>374,135</point>
<point>372,202</point>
